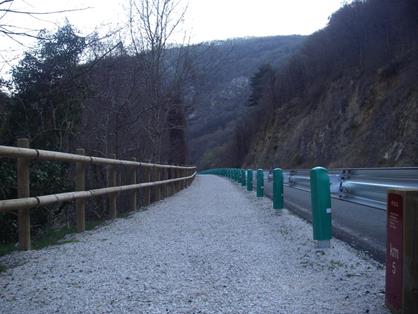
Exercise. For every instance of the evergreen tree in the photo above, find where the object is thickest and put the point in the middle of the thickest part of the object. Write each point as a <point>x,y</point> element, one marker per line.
<point>258,82</point>
<point>49,91</point>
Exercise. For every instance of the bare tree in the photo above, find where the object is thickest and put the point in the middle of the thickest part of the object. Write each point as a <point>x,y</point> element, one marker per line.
<point>16,33</point>
<point>152,24</point>
<point>13,31</point>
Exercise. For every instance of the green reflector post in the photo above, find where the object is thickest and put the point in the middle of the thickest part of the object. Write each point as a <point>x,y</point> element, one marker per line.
<point>243,179</point>
<point>249,180</point>
<point>277,188</point>
<point>321,206</point>
<point>260,183</point>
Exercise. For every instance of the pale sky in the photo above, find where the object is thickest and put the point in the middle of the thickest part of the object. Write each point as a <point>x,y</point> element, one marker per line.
<point>205,19</point>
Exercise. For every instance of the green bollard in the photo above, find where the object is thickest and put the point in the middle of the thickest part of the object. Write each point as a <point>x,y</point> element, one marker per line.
<point>260,183</point>
<point>277,188</point>
<point>321,206</point>
<point>249,180</point>
<point>243,181</point>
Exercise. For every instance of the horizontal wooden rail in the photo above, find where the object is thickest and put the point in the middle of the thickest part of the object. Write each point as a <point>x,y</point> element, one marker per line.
<point>168,179</point>
<point>30,153</point>
<point>36,201</point>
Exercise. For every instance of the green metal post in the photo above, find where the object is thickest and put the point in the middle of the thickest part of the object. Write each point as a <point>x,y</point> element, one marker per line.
<point>249,180</point>
<point>243,180</point>
<point>260,183</point>
<point>321,206</point>
<point>277,188</point>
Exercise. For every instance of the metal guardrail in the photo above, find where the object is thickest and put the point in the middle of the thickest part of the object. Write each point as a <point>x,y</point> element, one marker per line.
<point>365,186</point>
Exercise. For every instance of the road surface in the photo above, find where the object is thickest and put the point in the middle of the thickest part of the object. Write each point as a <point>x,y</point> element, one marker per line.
<point>361,226</point>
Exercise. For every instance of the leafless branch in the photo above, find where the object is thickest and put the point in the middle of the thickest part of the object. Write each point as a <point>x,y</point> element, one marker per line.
<point>43,13</point>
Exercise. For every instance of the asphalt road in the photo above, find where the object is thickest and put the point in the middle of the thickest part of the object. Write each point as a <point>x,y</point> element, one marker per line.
<point>362,227</point>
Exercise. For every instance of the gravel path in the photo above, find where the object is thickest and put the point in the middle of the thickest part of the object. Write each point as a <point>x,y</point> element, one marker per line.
<point>212,248</point>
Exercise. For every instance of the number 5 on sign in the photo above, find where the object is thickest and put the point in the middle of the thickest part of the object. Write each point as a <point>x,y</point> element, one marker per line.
<point>402,252</point>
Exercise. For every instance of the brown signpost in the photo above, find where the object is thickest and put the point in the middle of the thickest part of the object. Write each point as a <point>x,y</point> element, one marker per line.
<point>402,251</point>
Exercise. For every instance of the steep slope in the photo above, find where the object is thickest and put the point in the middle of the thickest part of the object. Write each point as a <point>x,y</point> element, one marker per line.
<point>357,121</point>
<point>221,88</point>
<point>349,97</point>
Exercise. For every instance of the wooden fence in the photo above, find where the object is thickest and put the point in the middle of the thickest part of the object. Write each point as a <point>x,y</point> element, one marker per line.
<point>164,180</point>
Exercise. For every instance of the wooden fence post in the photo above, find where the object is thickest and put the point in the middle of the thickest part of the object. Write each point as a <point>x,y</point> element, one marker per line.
<point>161,178</point>
<point>183,183</point>
<point>190,173</point>
<point>179,185</point>
<point>173,185</point>
<point>112,182</point>
<point>162,174</point>
<point>134,192</point>
<point>80,185</point>
<point>162,186</point>
<point>170,185</point>
<point>157,188</point>
<point>147,191</point>
<point>141,192</point>
<point>151,191</point>
<point>176,184</point>
<point>165,186</point>
<point>23,191</point>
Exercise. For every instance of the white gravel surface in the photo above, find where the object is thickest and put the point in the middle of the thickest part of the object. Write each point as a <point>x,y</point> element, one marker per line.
<point>212,248</point>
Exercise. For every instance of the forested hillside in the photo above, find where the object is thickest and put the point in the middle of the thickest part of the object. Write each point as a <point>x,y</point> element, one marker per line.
<point>114,98</point>
<point>347,98</point>
<point>221,87</point>
<point>140,98</point>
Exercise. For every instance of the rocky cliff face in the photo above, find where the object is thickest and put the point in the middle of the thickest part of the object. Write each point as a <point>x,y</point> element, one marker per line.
<point>354,120</point>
